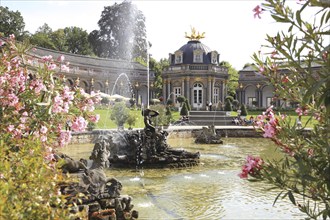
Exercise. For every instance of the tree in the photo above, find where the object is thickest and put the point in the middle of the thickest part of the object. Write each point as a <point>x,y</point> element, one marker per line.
<point>58,38</point>
<point>42,37</point>
<point>119,114</point>
<point>12,23</point>
<point>122,33</point>
<point>157,68</point>
<point>232,84</point>
<point>303,175</point>
<point>76,41</point>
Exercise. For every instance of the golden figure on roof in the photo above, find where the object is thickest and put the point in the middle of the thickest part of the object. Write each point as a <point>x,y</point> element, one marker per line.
<point>195,35</point>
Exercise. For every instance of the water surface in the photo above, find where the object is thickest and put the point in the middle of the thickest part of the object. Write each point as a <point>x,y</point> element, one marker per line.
<point>211,190</point>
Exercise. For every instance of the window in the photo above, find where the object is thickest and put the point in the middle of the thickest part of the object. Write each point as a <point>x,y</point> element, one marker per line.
<point>215,95</point>
<point>178,57</point>
<point>198,56</point>
<point>269,101</point>
<point>250,100</point>
<point>198,94</point>
<point>177,92</point>
<point>214,57</point>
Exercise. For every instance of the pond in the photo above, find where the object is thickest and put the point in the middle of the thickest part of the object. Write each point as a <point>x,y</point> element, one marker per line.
<point>211,190</point>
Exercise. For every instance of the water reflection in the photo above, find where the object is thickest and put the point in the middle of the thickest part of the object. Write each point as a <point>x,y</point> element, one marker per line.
<point>211,190</point>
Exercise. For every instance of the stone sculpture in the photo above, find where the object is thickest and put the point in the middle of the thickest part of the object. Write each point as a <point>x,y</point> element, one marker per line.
<point>94,193</point>
<point>208,136</point>
<point>147,148</point>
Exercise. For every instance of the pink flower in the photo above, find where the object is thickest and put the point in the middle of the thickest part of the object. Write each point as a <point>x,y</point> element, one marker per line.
<point>60,58</point>
<point>52,66</point>
<point>274,53</point>
<point>43,138</point>
<point>252,166</point>
<point>65,68</point>
<point>80,124</point>
<point>64,138</point>
<point>47,58</point>
<point>301,111</point>
<point>285,79</point>
<point>257,11</point>
<point>310,152</point>
<point>94,118</point>
<point>12,36</point>
<point>43,129</point>
<point>10,128</point>
<point>269,131</point>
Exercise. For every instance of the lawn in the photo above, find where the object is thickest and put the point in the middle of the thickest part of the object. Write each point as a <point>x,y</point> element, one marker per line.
<point>106,123</point>
<point>292,114</point>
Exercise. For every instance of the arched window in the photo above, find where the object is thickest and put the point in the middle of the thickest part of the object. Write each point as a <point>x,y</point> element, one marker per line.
<point>198,95</point>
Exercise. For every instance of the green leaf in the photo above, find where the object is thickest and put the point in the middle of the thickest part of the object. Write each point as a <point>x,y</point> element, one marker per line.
<point>279,19</point>
<point>277,197</point>
<point>291,197</point>
<point>298,18</point>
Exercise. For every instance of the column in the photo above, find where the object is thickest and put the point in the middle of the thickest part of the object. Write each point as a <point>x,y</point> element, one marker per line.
<point>209,93</point>
<point>188,89</point>
<point>164,90</point>
<point>182,87</point>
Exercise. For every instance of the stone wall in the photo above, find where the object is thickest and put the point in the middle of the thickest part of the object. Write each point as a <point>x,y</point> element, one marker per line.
<point>239,132</point>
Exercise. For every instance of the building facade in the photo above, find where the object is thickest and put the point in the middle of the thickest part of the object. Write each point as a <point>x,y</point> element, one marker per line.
<point>194,73</point>
<point>255,91</point>
<point>129,79</point>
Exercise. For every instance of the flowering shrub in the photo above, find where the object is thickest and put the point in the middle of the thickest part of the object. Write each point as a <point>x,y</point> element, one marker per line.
<point>297,65</point>
<point>35,105</point>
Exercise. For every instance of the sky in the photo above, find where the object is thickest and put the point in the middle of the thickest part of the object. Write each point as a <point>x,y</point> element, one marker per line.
<point>229,25</point>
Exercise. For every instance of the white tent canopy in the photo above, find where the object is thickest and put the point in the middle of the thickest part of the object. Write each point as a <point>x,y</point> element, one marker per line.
<point>114,97</point>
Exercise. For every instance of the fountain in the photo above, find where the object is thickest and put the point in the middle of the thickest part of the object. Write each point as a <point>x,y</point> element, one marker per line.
<point>147,148</point>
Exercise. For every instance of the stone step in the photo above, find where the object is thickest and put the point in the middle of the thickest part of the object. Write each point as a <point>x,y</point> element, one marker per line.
<point>207,123</point>
<point>207,113</point>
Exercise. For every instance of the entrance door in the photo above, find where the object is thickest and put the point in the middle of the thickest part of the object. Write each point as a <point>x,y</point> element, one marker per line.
<point>198,96</point>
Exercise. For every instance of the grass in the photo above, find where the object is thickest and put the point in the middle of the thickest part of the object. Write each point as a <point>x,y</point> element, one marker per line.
<point>106,123</point>
<point>292,114</point>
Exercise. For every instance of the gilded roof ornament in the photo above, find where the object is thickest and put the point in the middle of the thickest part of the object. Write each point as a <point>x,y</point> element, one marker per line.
<point>194,35</point>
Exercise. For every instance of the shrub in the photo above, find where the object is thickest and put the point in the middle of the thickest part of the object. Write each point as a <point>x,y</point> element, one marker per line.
<point>302,174</point>
<point>132,118</point>
<point>181,99</point>
<point>119,114</point>
<point>243,110</point>
<point>188,105</point>
<point>230,98</point>
<point>228,107</point>
<point>34,110</point>
<point>184,110</point>
<point>235,104</point>
<point>169,102</point>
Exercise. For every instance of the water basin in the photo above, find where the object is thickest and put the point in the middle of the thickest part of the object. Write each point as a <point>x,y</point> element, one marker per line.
<point>211,190</point>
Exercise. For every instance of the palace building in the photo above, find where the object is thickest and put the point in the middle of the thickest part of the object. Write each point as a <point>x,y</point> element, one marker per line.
<point>195,73</point>
<point>108,76</point>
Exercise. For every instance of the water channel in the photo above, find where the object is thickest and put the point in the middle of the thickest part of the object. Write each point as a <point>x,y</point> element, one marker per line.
<point>211,190</point>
